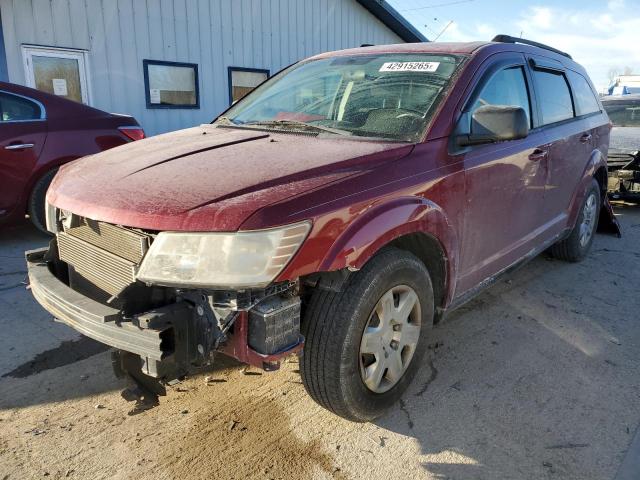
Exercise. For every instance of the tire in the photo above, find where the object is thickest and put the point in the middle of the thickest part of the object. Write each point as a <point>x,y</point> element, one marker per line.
<point>332,365</point>
<point>574,248</point>
<point>36,207</point>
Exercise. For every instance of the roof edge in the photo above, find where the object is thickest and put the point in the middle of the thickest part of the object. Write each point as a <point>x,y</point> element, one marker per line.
<point>392,19</point>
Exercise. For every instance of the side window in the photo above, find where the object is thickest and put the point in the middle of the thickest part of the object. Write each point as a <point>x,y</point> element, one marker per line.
<point>507,87</point>
<point>553,96</point>
<point>585,99</point>
<point>13,108</point>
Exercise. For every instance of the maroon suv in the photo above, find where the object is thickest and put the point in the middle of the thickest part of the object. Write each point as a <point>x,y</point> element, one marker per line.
<point>345,205</point>
<point>38,133</point>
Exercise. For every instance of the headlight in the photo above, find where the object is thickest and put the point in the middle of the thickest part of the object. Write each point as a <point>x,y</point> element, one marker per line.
<point>227,260</point>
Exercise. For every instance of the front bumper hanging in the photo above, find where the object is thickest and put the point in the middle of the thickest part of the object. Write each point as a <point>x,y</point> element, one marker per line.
<point>93,319</point>
<point>174,338</point>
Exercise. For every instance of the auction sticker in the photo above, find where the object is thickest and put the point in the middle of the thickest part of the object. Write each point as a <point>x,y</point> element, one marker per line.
<point>409,67</point>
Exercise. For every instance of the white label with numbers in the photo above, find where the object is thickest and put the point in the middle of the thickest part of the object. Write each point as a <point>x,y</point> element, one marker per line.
<point>410,67</point>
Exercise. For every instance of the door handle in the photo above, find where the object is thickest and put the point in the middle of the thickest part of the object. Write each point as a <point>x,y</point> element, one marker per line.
<point>19,146</point>
<point>585,138</point>
<point>538,154</point>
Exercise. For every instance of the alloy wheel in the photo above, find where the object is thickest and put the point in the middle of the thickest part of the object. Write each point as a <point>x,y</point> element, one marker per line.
<point>588,219</point>
<point>390,338</point>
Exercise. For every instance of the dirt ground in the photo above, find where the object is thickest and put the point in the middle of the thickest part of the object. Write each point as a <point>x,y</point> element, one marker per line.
<point>537,378</point>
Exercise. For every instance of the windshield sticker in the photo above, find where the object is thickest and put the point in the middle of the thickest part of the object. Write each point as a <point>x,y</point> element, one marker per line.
<point>409,67</point>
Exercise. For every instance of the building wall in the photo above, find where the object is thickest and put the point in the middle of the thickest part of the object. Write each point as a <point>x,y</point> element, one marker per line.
<point>215,34</point>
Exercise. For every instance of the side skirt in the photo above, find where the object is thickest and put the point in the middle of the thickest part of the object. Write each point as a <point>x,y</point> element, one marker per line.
<point>488,282</point>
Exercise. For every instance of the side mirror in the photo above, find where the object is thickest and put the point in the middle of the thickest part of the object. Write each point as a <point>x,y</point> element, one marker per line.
<point>496,123</point>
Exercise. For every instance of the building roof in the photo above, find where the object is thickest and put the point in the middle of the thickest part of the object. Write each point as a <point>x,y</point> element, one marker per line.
<point>392,19</point>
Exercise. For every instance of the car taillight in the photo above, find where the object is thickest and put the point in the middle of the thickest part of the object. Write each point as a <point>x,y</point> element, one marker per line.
<point>134,133</point>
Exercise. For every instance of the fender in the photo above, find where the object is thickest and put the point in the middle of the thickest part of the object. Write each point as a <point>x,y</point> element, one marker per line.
<point>607,221</point>
<point>388,221</point>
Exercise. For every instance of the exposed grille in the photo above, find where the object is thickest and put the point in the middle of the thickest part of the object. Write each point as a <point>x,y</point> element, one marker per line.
<point>104,254</point>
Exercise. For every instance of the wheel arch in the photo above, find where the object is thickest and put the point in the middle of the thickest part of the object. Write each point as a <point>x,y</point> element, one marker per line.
<point>431,253</point>
<point>43,168</point>
<point>593,169</point>
<point>602,177</point>
<point>596,168</point>
<point>30,190</point>
<point>410,223</point>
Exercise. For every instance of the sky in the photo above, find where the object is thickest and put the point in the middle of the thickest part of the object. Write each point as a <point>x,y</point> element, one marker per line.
<point>602,36</point>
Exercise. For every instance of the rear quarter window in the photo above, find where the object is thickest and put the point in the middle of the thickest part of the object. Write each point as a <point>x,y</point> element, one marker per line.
<point>554,96</point>
<point>583,96</point>
<point>14,108</point>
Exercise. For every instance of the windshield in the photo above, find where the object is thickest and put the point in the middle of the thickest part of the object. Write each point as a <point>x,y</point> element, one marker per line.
<point>623,113</point>
<point>390,96</point>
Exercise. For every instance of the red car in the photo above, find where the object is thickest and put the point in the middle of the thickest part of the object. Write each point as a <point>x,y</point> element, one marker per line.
<point>40,132</point>
<point>345,205</point>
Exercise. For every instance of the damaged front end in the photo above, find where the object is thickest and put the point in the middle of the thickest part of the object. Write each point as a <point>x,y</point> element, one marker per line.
<point>88,279</point>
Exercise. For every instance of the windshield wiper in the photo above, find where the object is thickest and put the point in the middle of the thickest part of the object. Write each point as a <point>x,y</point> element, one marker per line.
<point>297,124</point>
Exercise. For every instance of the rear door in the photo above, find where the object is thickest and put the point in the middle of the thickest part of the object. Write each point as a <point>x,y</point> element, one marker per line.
<point>505,182</point>
<point>23,130</point>
<point>567,116</point>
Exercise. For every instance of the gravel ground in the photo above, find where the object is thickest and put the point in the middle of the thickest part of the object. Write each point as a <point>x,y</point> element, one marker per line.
<point>538,377</point>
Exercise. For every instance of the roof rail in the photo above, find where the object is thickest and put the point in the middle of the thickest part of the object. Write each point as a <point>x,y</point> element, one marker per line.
<point>510,39</point>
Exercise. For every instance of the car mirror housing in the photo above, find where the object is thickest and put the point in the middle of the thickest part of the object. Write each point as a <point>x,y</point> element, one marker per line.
<point>496,123</point>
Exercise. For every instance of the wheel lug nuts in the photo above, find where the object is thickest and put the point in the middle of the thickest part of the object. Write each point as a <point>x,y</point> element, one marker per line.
<point>394,344</point>
<point>396,328</point>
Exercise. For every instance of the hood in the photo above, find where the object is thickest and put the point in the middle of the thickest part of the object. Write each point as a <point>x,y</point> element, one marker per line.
<point>208,178</point>
<point>624,139</point>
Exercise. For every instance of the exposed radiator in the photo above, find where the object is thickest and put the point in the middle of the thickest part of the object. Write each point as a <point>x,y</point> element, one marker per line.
<point>120,241</point>
<point>104,254</point>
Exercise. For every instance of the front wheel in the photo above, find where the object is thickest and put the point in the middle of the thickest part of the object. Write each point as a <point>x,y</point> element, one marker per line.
<point>365,343</point>
<point>577,245</point>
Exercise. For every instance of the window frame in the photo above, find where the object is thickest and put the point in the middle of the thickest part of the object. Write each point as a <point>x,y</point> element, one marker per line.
<point>496,66</point>
<point>494,74</point>
<point>78,54</point>
<point>550,66</point>
<point>43,111</point>
<point>147,92</point>
<point>231,69</point>
<point>492,66</point>
<point>572,88</point>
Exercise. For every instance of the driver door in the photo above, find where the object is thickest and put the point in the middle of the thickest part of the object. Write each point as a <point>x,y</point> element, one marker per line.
<point>504,182</point>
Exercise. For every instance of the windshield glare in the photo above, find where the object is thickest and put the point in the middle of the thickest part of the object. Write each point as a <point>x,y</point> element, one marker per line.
<point>623,114</point>
<point>385,96</point>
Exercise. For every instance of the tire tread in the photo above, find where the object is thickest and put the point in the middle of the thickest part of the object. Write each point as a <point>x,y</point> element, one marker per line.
<point>327,324</point>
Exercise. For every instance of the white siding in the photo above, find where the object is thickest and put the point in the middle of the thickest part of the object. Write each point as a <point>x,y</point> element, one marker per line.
<point>215,34</point>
